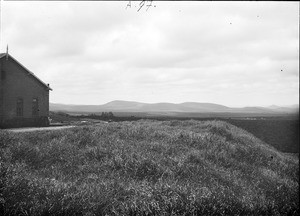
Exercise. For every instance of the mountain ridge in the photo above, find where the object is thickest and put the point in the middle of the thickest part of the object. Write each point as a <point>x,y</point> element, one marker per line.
<point>185,107</point>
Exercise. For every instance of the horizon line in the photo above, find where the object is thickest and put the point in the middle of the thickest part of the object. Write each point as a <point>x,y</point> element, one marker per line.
<point>264,106</point>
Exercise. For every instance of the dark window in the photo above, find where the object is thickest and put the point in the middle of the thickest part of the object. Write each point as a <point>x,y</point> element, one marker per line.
<point>3,75</point>
<point>1,102</point>
<point>20,107</point>
<point>35,107</point>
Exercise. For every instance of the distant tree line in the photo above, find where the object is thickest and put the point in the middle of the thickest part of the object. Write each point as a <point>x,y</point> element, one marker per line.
<point>107,115</point>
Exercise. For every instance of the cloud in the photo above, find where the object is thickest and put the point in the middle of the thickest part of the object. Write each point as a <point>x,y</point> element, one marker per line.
<point>231,53</point>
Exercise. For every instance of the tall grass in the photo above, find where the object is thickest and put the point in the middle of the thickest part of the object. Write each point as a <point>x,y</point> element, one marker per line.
<point>146,168</point>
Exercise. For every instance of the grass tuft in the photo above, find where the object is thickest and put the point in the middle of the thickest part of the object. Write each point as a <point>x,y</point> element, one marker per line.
<point>146,168</point>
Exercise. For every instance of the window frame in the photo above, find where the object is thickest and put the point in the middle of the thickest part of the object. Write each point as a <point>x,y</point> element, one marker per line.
<point>20,107</point>
<point>3,74</point>
<point>35,107</point>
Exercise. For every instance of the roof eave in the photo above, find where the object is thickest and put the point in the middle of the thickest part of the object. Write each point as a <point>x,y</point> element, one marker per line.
<point>32,74</point>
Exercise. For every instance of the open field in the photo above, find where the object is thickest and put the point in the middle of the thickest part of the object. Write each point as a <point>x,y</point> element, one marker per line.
<point>146,168</point>
<point>283,134</point>
<point>281,131</point>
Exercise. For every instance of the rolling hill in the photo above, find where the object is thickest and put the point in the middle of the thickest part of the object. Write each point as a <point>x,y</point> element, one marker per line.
<point>187,107</point>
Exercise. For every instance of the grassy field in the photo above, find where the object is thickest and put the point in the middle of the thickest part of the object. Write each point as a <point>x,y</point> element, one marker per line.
<point>146,168</point>
<point>281,131</point>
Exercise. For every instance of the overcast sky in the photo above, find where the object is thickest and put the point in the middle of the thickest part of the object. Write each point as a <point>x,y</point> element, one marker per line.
<point>231,53</point>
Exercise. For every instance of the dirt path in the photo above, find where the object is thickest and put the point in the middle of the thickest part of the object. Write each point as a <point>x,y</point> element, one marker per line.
<point>38,129</point>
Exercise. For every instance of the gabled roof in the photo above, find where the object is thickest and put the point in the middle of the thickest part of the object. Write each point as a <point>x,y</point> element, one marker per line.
<point>3,55</point>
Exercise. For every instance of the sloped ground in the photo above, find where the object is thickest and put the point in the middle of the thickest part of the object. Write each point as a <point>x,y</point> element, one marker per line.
<point>146,168</point>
